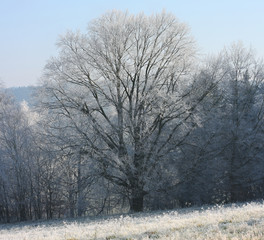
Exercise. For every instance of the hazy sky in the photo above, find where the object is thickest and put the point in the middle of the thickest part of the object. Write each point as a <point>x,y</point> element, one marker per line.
<point>29,29</point>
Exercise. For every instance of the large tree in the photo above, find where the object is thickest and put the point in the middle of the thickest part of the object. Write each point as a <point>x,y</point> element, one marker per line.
<point>121,93</point>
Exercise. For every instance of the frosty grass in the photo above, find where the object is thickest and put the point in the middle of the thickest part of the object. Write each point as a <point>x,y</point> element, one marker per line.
<point>219,222</point>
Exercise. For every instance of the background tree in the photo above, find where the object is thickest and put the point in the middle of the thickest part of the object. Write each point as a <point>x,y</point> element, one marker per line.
<point>17,158</point>
<point>244,116</point>
<point>231,167</point>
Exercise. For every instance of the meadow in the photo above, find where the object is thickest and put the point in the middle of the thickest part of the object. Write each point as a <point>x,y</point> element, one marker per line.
<point>240,221</point>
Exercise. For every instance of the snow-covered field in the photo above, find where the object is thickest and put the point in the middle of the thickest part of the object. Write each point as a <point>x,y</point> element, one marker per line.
<point>219,222</point>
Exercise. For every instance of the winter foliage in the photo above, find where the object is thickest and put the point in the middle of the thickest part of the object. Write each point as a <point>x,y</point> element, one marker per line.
<point>129,119</point>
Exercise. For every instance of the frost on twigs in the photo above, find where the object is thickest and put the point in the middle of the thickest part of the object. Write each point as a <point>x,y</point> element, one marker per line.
<point>122,88</point>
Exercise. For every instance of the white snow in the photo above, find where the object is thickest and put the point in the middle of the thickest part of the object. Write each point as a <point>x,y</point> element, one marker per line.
<point>218,222</point>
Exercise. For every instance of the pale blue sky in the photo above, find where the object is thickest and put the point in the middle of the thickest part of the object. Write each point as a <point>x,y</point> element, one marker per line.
<point>29,29</point>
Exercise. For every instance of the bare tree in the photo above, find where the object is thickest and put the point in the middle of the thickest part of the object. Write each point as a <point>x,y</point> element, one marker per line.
<point>15,139</point>
<point>122,87</point>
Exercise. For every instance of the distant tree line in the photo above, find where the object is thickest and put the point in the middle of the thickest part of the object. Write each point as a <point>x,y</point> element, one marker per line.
<point>128,118</point>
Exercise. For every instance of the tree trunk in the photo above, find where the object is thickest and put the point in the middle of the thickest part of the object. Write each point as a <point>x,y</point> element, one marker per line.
<point>7,214</point>
<point>137,197</point>
<point>232,197</point>
<point>71,203</point>
<point>137,200</point>
<point>49,204</point>
<point>38,206</point>
<point>6,205</point>
<point>22,212</point>
<point>80,202</point>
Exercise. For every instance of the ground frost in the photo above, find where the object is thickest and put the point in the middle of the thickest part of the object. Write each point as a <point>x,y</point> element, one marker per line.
<point>242,222</point>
